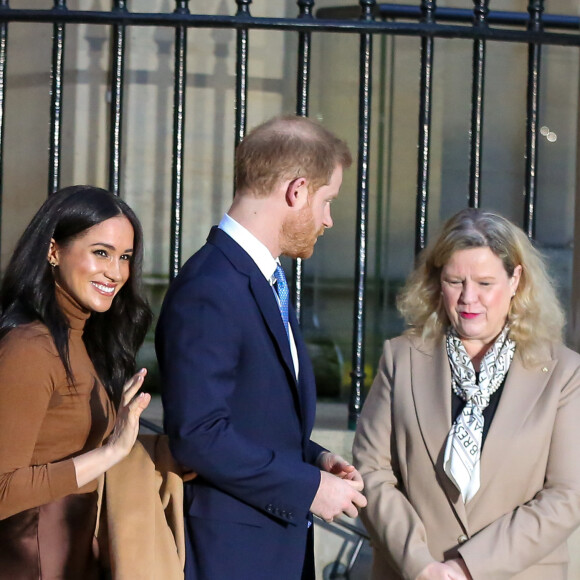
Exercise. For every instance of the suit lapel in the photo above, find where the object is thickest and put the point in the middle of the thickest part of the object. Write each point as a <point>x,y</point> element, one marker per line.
<point>266,301</point>
<point>431,386</point>
<point>261,290</point>
<point>521,392</point>
<point>306,383</point>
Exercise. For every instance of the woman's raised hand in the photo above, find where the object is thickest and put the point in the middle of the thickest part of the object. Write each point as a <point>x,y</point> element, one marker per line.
<point>92,464</point>
<point>127,424</point>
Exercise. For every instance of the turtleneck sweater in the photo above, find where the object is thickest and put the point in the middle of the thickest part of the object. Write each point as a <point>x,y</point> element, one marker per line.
<point>44,421</point>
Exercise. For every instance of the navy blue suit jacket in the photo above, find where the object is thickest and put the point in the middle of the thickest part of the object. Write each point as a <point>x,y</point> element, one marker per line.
<point>236,415</point>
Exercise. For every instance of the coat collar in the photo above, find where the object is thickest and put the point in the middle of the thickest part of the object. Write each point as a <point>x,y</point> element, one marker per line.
<point>431,387</point>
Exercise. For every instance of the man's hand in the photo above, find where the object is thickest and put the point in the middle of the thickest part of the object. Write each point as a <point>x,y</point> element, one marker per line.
<point>336,496</point>
<point>339,466</point>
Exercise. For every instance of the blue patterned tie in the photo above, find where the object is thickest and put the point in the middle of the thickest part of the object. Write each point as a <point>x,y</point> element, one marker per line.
<point>283,294</point>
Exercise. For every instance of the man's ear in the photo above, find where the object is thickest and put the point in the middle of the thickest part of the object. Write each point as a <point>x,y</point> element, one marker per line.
<point>297,192</point>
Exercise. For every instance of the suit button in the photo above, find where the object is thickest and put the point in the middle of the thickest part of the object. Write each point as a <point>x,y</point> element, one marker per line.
<point>462,539</point>
<point>290,515</point>
<point>269,507</point>
<point>283,513</point>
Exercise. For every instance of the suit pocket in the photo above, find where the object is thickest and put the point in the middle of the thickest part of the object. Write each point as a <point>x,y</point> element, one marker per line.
<point>212,504</point>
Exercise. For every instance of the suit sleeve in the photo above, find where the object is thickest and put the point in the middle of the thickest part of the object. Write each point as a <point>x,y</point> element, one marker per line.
<point>199,349</point>
<point>393,524</point>
<point>26,387</point>
<point>313,452</point>
<point>533,530</point>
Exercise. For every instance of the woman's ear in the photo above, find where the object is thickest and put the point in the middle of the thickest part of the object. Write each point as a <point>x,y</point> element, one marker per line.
<point>53,253</point>
<point>515,280</point>
<point>297,193</point>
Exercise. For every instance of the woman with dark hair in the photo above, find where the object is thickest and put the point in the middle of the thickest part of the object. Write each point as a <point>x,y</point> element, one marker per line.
<point>72,320</point>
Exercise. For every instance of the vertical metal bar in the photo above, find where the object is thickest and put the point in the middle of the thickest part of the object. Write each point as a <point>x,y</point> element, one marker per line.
<point>117,83</point>
<point>424,140</point>
<point>535,9</point>
<point>303,81</point>
<point>480,13</point>
<point>242,49</point>
<point>358,359</point>
<point>179,93</point>
<point>56,91</point>
<point>302,98</point>
<point>573,326</point>
<point>3,63</point>
<point>385,132</point>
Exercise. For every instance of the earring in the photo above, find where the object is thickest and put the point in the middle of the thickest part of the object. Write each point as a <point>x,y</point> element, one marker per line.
<point>52,264</point>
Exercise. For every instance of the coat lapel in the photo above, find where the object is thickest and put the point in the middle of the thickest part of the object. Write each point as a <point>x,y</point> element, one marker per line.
<point>431,386</point>
<point>520,395</point>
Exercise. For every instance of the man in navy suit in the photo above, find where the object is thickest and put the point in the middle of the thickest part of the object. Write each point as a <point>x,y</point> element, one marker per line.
<point>239,394</point>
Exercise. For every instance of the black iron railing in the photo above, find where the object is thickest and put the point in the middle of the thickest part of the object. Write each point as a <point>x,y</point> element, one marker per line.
<point>367,19</point>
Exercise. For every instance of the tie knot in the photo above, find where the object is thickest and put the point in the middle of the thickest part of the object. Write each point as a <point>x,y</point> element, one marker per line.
<point>280,277</point>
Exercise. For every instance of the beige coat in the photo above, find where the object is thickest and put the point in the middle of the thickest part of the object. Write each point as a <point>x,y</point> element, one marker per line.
<point>141,533</point>
<point>529,500</point>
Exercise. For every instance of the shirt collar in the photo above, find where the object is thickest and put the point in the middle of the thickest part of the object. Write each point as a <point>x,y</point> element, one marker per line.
<point>253,247</point>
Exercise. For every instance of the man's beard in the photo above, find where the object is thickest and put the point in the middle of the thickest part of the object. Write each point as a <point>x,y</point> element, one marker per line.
<point>299,235</point>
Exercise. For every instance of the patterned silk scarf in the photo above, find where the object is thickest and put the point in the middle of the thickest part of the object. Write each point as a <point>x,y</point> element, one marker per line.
<point>463,450</point>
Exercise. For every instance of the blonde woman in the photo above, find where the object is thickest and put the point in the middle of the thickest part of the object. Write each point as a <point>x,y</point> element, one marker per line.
<point>468,440</point>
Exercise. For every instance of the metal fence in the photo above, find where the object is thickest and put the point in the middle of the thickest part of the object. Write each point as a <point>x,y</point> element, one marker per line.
<point>367,19</point>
